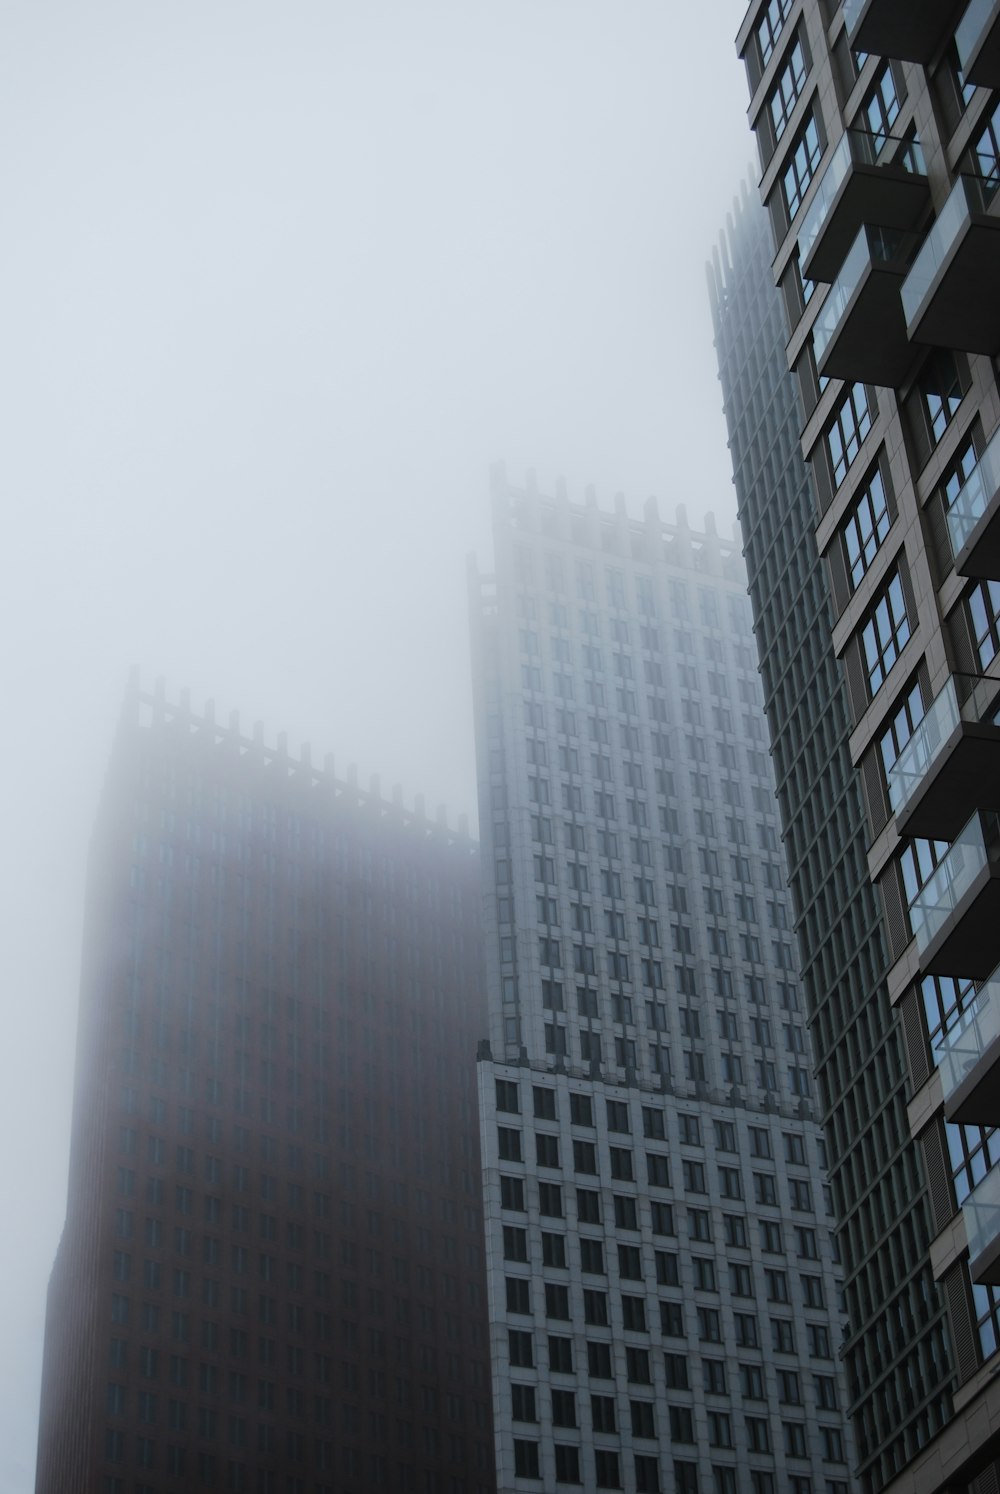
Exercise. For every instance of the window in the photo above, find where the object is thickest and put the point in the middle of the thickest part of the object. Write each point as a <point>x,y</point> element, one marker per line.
<point>786,91</point>
<point>511,1193</point>
<point>507,1096</point>
<point>520,1348</point>
<point>599,1361</point>
<point>801,165</point>
<point>588,1206</point>
<point>553,1249</point>
<point>595,1308</point>
<point>556,1300</point>
<point>629,1262</point>
<point>983,603</point>
<point>550,1200</point>
<point>634,1314</point>
<point>560,1354</point>
<point>935,400</point>
<point>866,527</point>
<point>626,1214</point>
<point>563,1408</point>
<point>515,1243</point>
<point>637,1365</point>
<point>617,1115</point>
<point>509,1144</point>
<point>526,1459</point>
<point>657,1170</point>
<point>851,423</point>
<point>580,1110</point>
<point>543,1099</point>
<point>621,1164</point>
<point>606,1469</point>
<point>591,1256</point>
<point>881,106</point>
<point>885,634</point>
<point>567,1464</point>
<point>523,1402</point>
<point>769,27</point>
<point>672,1319</point>
<point>518,1295</point>
<point>647,1475</point>
<point>547,1150</point>
<point>584,1156</point>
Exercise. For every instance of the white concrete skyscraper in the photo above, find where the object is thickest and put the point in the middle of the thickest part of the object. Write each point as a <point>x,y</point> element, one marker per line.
<point>664,1299</point>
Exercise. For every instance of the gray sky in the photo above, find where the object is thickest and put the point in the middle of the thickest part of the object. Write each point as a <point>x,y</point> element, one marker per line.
<point>278,281</point>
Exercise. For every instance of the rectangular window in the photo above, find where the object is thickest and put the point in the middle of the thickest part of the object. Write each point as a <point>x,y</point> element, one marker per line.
<point>786,91</point>
<point>851,423</point>
<point>885,634</point>
<point>866,527</point>
<point>802,163</point>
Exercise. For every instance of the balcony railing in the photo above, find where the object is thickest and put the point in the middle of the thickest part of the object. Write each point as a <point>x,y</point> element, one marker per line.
<point>977,38</point>
<point>890,178</point>
<point>953,920</point>
<point>966,1060</point>
<point>936,781</point>
<point>949,296</point>
<point>859,333</point>
<point>981,1212</point>
<point>910,29</point>
<point>977,554</point>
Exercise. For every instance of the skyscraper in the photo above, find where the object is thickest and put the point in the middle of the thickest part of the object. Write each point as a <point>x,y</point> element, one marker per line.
<point>881,1209</point>
<point>878,130</point>
<point>271,1275</point>
<point>662,1283</point>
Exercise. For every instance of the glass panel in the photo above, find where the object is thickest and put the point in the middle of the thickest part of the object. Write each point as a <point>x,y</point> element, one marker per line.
<point>977,844</point>
<point>975,496</point>
<point>970,29</point>
<point>966,197</point>
<point>907,772</point>
<point>981,1212</point>
<point>872,246</point>
<point>977,1029</point>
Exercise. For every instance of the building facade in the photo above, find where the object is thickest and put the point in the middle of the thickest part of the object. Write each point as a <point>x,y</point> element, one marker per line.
<point>897,1348</point>
<point>879,137</point>
<point>271,1276</point>
<point>663,1290</point>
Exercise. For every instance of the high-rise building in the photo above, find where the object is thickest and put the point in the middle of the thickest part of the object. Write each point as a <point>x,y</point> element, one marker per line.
<point>879,133</point>
<point>271,1275</point>
<point>899,1397</point>
<point>664,1299</point>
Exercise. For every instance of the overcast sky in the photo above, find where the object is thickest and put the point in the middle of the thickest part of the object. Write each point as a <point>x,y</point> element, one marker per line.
<point>279,281</point>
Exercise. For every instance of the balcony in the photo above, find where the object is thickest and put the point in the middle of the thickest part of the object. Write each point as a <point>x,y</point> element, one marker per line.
<point>955,917</point>
<point>949,296</point>
<point>981,1212</point>
<point>868,179</point>
<point>974,517</point>
<point>968,1060</point>
<point>860,333</point>
<point>910,29</point>
<point>977,38</point>
<point>937,780</point>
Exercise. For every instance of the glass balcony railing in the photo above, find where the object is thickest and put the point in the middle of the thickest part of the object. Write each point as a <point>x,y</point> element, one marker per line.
<point>970,28</point>
<point>872,246</point>
<point>975,496</point>
<point>977,40</point>
<point>963,1046</point>
<point>852,10</point>
<point>975,848</point>
<point>856,148</point>
<point>910,768</point>
<point>970,196</point>
<point>981,1211</point>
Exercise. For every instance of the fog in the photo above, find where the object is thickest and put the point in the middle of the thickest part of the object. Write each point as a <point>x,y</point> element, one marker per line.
<point>279,281</point>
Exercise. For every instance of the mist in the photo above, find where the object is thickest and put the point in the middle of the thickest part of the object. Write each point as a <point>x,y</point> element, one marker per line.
<point>279,283</point>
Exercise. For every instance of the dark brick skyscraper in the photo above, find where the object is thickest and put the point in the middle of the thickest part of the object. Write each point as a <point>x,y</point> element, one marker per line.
<point>271,1276</point>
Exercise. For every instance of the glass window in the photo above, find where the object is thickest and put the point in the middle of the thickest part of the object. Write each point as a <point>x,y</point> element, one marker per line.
<point>769,27</point>
<point>983,603</point>
<point>881,106</point>
<point>801,165</point>
<point>866,527</point>
<point>851,423</point>
<point>786,92</point>
<point>885,633</point>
